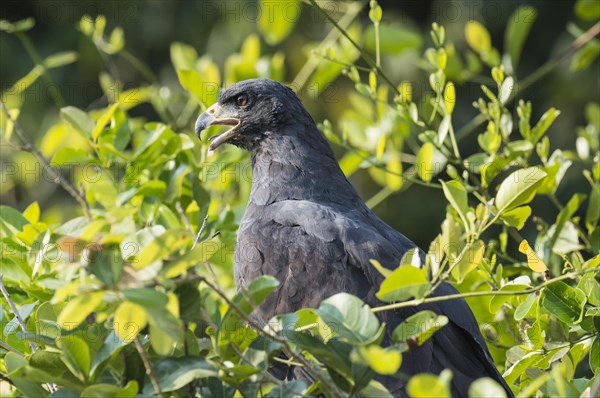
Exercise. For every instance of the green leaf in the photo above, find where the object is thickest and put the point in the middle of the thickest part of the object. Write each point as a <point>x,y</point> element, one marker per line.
<point>498,301</point>
<point>393,38</point>
<point>425,165</point>
<point>518,188</point>
<point>382,270</point>
<point>519,367</point>
<point>543,124</point>
<point>523,309</point>
<point>565,215</point>
<point>456,194</point>
<point>595,355</point>
<point>75,353</point>
<point>444,128</point>
<point>78,119</point>
<point>60,59</point>
<point>129,320</point>
<point>351,319</point>
<point>517,216</point>
<point>277,19</point>
<point>103,121</point>
<point>517,30</point>
<point>71,156</point>
<point>587,10</point>
<point>192,82</point>
<point>478,37</point>
<point>375,13</point>
<point>427,385</point>
<point>78,309</point>
<point>381,360</point>
<point>11,221</point>
<point>563,301</point>
<point>592,213</point>
<point>146,297</point>
<point>183,56</point>
<point>22,25</point>
<point>486,387</point>
<point>418,328</point>
<point>405,282</point>
<point>110,349</point>
<point>175,373</point>
<point>162,246</point>
<point>585,56</point>
<point>232,329</point>
<point>449,98</point>
<point>15,365</point>
<point>505,90</point>
<point>469,258</point>
<point>111,391</point>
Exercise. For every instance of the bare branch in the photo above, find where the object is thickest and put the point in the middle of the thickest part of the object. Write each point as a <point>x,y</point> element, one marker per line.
<point>52,171</point>
<point>288,350</point>
<point>148,365</point>
<point>415,302</point>
<point>15,311</point>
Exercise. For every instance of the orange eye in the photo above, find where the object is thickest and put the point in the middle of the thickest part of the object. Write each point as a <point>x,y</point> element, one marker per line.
<point>242,100</point>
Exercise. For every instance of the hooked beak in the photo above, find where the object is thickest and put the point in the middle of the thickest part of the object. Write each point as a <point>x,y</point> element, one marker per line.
<point>212,117</point>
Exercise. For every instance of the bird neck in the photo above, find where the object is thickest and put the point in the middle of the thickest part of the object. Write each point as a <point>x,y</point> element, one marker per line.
<point>293,168</point>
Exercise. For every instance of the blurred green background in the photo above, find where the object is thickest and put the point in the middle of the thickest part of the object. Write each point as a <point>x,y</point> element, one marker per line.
<point>219,28</point>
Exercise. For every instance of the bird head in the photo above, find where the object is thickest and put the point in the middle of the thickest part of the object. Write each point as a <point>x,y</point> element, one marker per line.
<point>255,109</point>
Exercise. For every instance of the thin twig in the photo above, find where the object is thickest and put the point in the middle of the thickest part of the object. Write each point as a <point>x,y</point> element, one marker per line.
<point>148,365</point>
<point>288,350</point>
<point>311,64</point>
<point>553,63</point>
<point>200,232</point>
<point>15,311</point>
<point>415,302</point>
<point>184,216</point>
<point>8,347</point>
<point>536,75</point>
<point>362,52</point>
<point>56,176</point>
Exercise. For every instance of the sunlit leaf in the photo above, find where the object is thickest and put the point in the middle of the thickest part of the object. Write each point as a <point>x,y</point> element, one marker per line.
<point>174,373</point>
<point>405,282</point>
<point>563,301</point>
<point>427,385</point>
<point>350,317</point>
<point>533,261</point>
<point>111,391</point>
<point>129,320</point>
<point>517,30</point>
<point>382,361</point>
<point>78,309</point>
<point>518,188</point>
<point>425,164</point>
<point>78,119</point>
<point>393,38</point>
<point>456,194</point>
<point>517,217</point>
<point>477,37</point>
<point>277,19</point>
<point>523,309</point>
<point>160,247</point>
<point>418,328</point>
<point>469,258</point>
<point>486,387</point>
<point>17,26</point>
<point>393,177</point>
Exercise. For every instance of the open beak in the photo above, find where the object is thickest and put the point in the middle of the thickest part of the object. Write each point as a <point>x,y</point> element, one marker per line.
<point>212,117</point>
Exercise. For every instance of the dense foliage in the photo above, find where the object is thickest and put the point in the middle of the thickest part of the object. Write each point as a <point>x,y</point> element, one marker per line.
<point>134,295</point>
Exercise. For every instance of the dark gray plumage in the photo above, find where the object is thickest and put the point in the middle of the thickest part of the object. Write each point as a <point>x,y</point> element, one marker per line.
<point>306,225</point>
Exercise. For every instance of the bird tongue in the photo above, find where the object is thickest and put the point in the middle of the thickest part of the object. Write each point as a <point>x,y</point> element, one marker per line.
<point>219,139</point>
